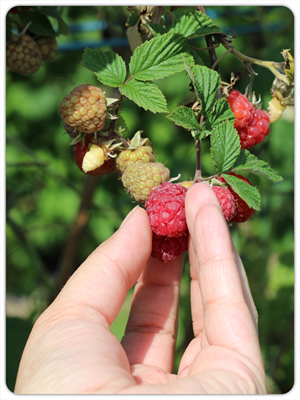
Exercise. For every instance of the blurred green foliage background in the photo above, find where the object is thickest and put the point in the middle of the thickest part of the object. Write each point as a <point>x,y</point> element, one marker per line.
<point>45,189</point>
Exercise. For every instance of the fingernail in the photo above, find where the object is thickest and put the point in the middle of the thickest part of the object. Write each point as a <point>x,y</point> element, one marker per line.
<point>129,215</point>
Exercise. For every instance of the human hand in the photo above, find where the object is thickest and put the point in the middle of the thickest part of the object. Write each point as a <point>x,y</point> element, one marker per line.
<point>71,349</point>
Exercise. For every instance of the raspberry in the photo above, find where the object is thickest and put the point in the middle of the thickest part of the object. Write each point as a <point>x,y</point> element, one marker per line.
<point>139,150</point>
<point>140,178</point>
<point>84,108</point>
<point>23,55</point>
<point>275,109</point>
<point>168,248</point>
<point>143,154</point>
<point>165,207</point>
<point>186,184</point>
<point>241,107</point>
<point>48,47</point>
<point>93,159</point>
<point>243,211</point>
<point>226,201</point>
<point>252,125</point>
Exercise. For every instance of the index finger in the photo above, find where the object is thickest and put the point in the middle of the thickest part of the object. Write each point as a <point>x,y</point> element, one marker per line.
<point>103,280</point>
<point>227,319</point>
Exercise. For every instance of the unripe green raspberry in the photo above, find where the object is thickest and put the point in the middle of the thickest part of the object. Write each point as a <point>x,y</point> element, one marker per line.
<point>48,47</point>
<point>140,178</point>
<point>143,154</point>
<point>23,55</point>
<point>84,109</point>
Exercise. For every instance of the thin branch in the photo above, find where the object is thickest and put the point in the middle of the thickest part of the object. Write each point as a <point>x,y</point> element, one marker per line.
<point>210,45</point>
<point>205,48</point>
<point>198,177</point>
<point>271,65</point>
<point>221,56</point>
<point>67,262</point>
<point>158,15</point>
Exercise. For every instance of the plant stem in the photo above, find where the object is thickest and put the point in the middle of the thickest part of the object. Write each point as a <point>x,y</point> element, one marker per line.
<point>158,15</point>
<point>113,124</point>
<point>68,259</point>
<point>271,65</point>
<point>221,56</point>
<point>198,177</point>
<point>210,177</point>
<point>210,46</point>
<point>112,132</point>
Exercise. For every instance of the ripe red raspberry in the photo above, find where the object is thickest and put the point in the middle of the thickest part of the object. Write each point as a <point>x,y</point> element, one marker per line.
<point>165,207</point>
<point>93,159</point>
<point>48,47</point>
<point>226,201</point>
<point>84,108</point>
<point>241,107</point>
<point>243,211</point>
<point>252,125</point>
<point>23,55</point>
<point>168,248</point>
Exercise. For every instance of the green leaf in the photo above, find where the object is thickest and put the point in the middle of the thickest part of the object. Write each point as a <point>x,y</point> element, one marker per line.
<point>197,57</point>
<point>206,83</point>
<point>220,113</point>
<point>108,66</point>
<point>185,117</point>
<point>246,192</point>
<point>51,11</point>
<point>250,163</point>
<point>156,29</point>
<point>145,94</point>
<point>133,18</point>
<point>225,146</point>
<point>159,57</point>
<point>121,125</point>
<point>194,24</point>
<point>39,23</point>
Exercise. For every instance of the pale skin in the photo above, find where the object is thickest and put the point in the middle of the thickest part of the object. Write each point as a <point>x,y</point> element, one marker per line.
<point>72,351</point>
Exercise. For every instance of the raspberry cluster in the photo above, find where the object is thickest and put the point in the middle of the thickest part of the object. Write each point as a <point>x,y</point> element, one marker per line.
<point>251,124</point>
<point>146,180</point>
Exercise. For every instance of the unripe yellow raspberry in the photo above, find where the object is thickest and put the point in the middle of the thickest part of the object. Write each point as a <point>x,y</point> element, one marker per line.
<point>140,178</point>
<point>84,109</point>
<point>275,109</point>
<point>23,55</point>
<point>48,47</point>
<point>143,154</point>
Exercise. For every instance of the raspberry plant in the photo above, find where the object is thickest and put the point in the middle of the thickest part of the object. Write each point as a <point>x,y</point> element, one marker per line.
<point>232,121</point>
